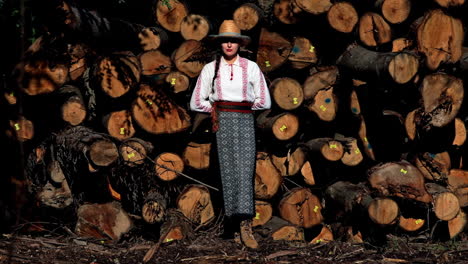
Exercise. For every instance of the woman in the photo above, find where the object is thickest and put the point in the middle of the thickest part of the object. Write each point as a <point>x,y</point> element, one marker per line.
<point>231,88</point>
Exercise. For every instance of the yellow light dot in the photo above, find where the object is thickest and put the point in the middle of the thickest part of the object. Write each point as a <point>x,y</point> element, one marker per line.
<point>267,63</point>
<point>403,171</point>
<point>357,151</point>
<point>122,131</point>
<point>295,100</point>
<point>323,108</point>
<point>318,241</point>
<point>131,155</point>
<point>173,81</point>
<point>312,48</point>
<point>333,146</point>
<point>168,239</point>
<point>257,215</point>
<point>419,221</point>
<point>17,127</point>
<point>316,209</point>
<point>365,139</point>
<point>283,128</point>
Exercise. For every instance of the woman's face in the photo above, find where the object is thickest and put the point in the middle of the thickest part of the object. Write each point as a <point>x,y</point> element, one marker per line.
<point>230,48</point>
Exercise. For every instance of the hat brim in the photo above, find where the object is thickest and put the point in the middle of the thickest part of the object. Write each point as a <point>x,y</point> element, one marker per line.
<point>242,39</point>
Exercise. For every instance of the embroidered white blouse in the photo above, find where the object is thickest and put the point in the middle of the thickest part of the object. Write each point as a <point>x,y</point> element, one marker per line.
<point>240,81</point>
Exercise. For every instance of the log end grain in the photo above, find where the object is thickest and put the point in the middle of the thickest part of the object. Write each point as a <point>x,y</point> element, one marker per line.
<point>383,211</point>
<point>343,17</point>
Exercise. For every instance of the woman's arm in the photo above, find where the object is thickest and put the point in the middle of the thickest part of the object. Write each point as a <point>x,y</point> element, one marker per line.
<point>262,94</point>
<point>200,96</point>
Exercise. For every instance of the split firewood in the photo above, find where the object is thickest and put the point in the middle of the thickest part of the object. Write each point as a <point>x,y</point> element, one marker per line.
<point>460,133</point>
<point>308,173</point>
<point>300,207</point>
<point>374,30</point>
<point>267,177</point>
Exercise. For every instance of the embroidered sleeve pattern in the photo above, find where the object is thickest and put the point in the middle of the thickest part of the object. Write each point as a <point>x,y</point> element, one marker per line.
<point>199,101</point>
<point>262,95</point>
<point>245,79</point>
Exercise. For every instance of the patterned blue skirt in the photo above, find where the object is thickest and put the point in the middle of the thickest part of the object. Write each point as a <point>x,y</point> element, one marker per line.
<point>236,153</point>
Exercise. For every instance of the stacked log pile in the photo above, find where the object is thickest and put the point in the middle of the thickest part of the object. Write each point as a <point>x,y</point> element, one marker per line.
<point>366,135</point>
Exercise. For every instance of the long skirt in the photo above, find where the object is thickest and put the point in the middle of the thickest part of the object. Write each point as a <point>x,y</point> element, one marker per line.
<point>236,153</point>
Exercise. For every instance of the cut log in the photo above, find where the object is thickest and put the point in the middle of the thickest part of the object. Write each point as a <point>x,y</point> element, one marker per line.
<point>79,53</point>
<point>445,203</point>
<point>267,177</point>
<point>154,62</point>
<point>168,165</point>
<point>374,30</point>
<point>433,166</point>
<point>447,46</point>
<point>354,237</point>
<point>263,213</point>
<point>283,11</point>
<point>119,124</point>
<point>10,97</point>
<point>308,173</point>
<point>157,114</point>
<point>23,129</point>
<point>399,179</point>
<point>176,227</point>
<point>460,132</point>
<point>154,207</point>
<point>170,13</point>
<point>291,163</point>
<point>458,224</point>
<point>410,224</point>
<point>273,50</point>
<point>320,80</point>
<point>450,3</point>
<point>102,221</point>
<point>134,151</point>
<point>152,38</point>
<point>247,16</point>
<point>401,67</point>
<point>42,77</point>
<point>279,229</point>
<point>342,16</point>
<point>401,44</point>
<point>55,193</point>
<point>195,203</point>
<point>325,236</point>
<point>194,27</point>
<point>442,95</point>
<point>103,153</point>
<point>352,155</point>
<point>182,58</point>
<point>117,74</point>
<point>329,149</point>
<point>73,110</point>
<point>365,141</point>
<point>283,126</point>
<point>383,211</point>
<point>314,7</point>
<point>410,124</point>
<point>303,53</point>
<point>394,11</point>
<point>197,155</point>
<point>324,104</point>
<point>178,81</point>
<point>458,184</point>
<point>301,207</point>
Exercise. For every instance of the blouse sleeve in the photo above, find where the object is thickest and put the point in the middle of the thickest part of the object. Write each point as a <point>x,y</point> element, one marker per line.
<point>200,97</point>
<point>262,95</point>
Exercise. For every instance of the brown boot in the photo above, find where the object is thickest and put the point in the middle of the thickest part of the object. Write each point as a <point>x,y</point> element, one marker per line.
<point>246,234</point>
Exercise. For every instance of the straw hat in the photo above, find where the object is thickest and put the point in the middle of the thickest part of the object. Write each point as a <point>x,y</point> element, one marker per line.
<point>229,30</point>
